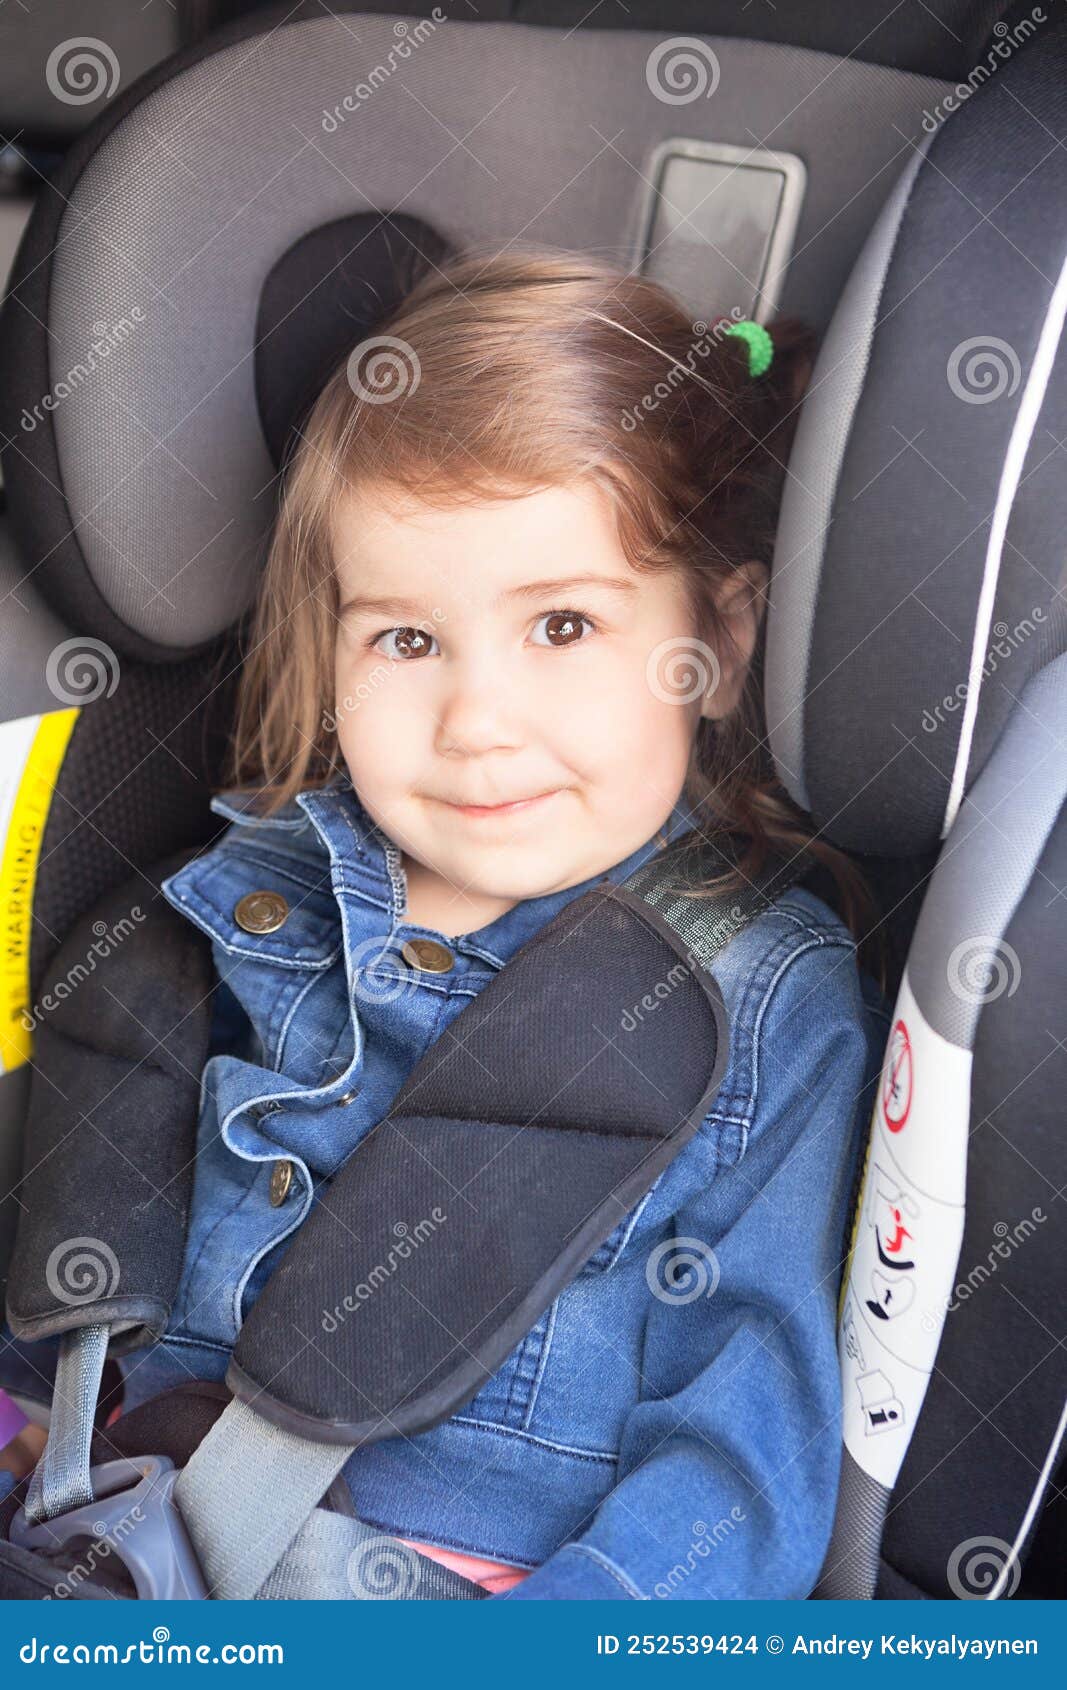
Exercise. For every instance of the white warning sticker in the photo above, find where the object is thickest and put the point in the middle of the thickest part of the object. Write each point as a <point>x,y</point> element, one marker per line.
<point>906,1244</point>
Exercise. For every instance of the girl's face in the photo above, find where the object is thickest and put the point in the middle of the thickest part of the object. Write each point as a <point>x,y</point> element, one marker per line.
<point>515,705</point>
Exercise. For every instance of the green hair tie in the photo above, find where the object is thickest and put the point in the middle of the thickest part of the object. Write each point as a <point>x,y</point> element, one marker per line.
<point>760,345</point>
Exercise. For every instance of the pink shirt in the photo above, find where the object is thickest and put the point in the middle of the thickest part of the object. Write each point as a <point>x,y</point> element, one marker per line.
<point>494,1576</point>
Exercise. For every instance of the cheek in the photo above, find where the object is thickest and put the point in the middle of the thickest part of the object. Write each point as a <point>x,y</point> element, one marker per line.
<point>625,715</point>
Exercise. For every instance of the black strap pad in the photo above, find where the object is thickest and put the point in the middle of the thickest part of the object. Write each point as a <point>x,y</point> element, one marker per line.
<point>120,1042</point>
<point>518,1142</point>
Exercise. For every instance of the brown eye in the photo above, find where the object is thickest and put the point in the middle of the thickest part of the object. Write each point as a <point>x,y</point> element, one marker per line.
<point>563,627</point>
<point>410,643</point>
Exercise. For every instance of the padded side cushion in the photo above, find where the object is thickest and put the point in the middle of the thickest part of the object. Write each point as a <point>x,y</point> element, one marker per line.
<point>518,1142</point>
<point>125,1018</point>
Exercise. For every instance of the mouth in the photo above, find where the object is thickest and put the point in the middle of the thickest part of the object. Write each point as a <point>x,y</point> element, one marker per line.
<point>510,809</point>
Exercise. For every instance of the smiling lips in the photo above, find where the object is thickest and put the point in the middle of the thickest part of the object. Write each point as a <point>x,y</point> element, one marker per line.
<point>501,809</point>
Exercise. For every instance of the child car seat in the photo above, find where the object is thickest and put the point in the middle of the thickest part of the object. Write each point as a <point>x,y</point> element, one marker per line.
<point>929,457</point>
<point>239,287</point>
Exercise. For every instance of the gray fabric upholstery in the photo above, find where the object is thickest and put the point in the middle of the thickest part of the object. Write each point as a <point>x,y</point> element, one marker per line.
<point>491,132</point>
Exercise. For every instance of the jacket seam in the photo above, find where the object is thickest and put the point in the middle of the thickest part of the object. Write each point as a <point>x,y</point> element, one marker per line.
<point>542,1362</point>
<point>285,866</point>
<point>759,989</point>
<point>495,1427</point>
<point>283,1031</point>
<point>608,1566</point>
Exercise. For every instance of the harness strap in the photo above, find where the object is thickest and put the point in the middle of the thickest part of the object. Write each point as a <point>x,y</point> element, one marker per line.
<point>291,1549</point>
<point>61,1479</point>
<point>338,1557</point>
<point>250,1495</point>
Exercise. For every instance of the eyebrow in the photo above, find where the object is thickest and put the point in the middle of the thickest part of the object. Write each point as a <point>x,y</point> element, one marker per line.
<point>361,605</point>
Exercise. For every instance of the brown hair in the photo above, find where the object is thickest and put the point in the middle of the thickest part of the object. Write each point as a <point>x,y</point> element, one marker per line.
<point>499,374</point>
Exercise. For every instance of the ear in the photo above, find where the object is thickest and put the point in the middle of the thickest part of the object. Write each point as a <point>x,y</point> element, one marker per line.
<point>740,603</point>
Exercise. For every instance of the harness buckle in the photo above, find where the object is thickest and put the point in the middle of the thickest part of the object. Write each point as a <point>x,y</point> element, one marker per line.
<point>134,1516</point>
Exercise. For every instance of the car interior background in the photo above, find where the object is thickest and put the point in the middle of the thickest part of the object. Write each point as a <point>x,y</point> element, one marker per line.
<point>194,230</point>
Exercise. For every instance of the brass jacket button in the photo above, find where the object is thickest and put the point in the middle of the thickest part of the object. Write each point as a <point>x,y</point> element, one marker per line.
<point>427,955</point>
<point>281,1178</point>
<point>261,912</point>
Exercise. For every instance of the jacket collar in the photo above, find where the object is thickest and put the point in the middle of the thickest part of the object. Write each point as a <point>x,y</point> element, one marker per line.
<point>365,860</point>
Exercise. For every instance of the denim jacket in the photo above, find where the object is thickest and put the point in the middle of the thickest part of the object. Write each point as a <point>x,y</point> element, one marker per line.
<point>644,1439</point>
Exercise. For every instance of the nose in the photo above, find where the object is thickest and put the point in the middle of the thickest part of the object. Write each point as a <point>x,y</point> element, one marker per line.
<point>479,709</point>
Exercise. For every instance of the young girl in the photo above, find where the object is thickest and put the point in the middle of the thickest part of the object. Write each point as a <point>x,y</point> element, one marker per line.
<point>507,645</point>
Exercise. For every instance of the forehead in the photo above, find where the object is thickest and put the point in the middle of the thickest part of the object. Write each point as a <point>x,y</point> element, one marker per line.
<point>382,540</point>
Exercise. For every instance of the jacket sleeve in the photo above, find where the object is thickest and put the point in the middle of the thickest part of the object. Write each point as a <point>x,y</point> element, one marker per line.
<point>729,1465</point>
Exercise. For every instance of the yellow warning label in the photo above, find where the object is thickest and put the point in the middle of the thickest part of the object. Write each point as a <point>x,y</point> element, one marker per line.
<point>35,748</point>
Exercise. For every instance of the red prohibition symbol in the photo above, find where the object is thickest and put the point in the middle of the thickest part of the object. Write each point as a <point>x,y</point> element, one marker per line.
<point>898,1080</point>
